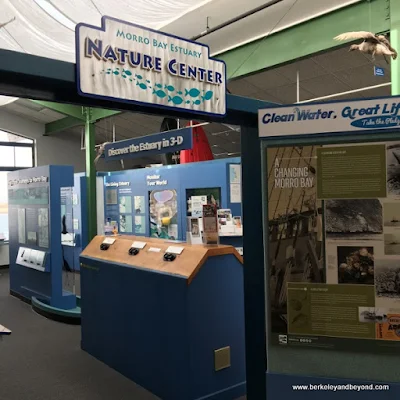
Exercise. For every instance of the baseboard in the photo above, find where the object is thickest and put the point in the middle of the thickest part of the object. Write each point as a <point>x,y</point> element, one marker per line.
<point>4,267</point>
<point>56,317</point>
<point>233,392</point>
<point>20,297</point>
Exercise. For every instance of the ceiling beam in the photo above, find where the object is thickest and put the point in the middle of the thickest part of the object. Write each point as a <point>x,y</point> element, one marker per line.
<point>305,39</point>
<point>67,109</point>
<point>100,113</point>
<point>61,125</point>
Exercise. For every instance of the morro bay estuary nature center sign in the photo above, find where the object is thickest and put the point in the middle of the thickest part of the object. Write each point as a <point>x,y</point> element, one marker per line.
<point>125,62</point>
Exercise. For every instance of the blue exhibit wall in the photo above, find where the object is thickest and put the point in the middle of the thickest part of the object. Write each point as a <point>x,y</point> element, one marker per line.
<point>207,174</point>
<point>219,290</point>
<point>26,282</point>
<point>71,254</point>
<point>181,324</point>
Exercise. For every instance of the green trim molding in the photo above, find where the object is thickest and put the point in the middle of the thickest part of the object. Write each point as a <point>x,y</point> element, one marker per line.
<point>308,38</point>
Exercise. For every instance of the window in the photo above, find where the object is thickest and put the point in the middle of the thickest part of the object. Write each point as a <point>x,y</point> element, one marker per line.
<point>16,152</point>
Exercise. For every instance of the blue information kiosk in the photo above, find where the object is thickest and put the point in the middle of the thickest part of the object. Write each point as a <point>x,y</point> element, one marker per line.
<point>36,253</point>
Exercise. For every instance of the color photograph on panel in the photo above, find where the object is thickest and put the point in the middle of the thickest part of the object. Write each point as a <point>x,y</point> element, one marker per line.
<point>163,214</point>
<point>295,230</point>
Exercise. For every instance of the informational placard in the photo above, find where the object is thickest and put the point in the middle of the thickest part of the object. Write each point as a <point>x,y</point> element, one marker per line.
<point>130,63</point>
<point>210,224</point>
<point>342,172</point>
<point>43,227</point>
<point>333,238</point>
<point>138,245</point>
<point>175,249</point>
<point>197,203</point>
<point>349,116</point>
<point>109,240</point>
<point>21,226</point>
<point>158,143</point>
<point>235,183</point>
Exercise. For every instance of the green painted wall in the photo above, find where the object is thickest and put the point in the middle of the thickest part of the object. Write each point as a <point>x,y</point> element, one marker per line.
<point>307,38</point>
<point>395,41</point>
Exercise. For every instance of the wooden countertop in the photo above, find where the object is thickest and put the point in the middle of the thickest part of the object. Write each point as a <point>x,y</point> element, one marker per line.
<point>187,264</point>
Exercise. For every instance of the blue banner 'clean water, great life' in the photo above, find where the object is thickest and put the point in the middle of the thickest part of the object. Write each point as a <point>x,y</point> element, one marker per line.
<point>159,143</point>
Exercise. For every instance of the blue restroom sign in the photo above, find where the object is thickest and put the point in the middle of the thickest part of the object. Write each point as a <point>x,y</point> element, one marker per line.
<point>159,143</point>
<point>124,62</point>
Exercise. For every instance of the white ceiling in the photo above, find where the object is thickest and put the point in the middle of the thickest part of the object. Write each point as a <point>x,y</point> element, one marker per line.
<point>273,19</point>
<point>46,27</point>
<point>32,111</point>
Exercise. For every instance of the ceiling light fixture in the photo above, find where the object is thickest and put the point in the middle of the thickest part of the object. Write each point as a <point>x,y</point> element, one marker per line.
<point>55,13</point>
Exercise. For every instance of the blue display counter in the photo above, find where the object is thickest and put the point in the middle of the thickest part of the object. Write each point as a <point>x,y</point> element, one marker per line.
<point>174,327</point>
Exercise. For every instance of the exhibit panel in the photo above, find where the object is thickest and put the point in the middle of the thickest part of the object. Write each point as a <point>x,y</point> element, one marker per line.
<point>331,259</point>
<point>35,225</point>
<point>74,237</point>
<point>176,309</point>
<point>157,202</point>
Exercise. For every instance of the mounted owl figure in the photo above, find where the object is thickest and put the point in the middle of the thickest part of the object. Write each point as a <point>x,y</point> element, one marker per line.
<point>372,44</point>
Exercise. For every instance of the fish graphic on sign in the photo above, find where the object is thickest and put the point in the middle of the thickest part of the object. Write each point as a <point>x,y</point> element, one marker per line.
<point>169,87</point>
<point>197,102</point>
<point>159,93</point>
<point>141,85</point>
<point>126,73</point>
<point>208,95</point>
<point>192,92</point>
<point>176,100</point>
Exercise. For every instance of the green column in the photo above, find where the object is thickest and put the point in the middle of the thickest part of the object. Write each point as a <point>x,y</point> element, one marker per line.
<point>395,41</point>
<point>90,143</point>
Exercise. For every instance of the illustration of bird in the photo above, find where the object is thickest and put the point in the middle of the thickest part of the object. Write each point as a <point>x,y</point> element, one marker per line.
<point>372,44</point>
<point>2,25</point>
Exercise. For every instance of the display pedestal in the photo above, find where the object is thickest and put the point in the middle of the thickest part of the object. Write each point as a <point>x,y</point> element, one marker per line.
<point>174,327</point>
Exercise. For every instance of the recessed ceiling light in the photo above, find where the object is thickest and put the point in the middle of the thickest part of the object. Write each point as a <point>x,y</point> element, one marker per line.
<point>55,13</point>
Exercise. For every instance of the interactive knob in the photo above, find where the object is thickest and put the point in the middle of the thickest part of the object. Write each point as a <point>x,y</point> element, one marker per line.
<point>169,257</point>
<point>104,246</point>
<point>133,251</point>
